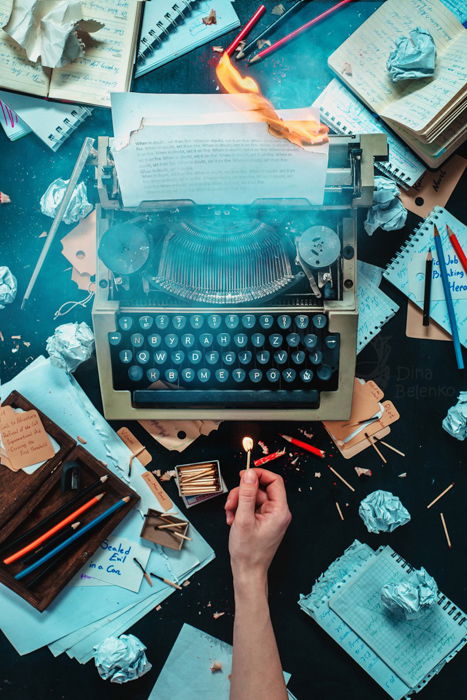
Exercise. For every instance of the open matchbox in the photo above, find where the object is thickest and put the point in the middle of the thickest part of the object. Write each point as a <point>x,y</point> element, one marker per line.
<point>218,488</point>
<point>28,498</point>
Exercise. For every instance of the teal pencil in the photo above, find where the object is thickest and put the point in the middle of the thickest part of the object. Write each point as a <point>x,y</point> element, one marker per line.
<point>448,297</point>
<point>63,545</point>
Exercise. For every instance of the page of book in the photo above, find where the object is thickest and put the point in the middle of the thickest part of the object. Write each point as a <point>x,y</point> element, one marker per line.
<point>108,63</point>
<point>368,48</point>
<point>16,72</point>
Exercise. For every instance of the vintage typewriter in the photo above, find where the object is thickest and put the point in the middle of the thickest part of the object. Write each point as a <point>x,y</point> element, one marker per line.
<point>231,312</point>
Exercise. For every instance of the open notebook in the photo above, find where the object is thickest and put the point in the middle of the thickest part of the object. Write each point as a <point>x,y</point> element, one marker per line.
<point>106,66</point>
<point>401,656</point>
<point>406,271</point>
<point>52,122</point>
<point>429,113</point>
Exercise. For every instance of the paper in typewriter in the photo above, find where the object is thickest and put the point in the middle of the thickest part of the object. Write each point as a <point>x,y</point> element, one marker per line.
<point>205,150</point>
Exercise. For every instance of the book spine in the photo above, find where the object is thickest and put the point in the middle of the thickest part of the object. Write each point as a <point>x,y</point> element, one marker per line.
<point>163,27</point>
<point>413,239</point>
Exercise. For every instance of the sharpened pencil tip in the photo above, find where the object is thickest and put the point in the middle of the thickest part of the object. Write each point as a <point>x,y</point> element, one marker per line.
<point>239,55</point>
<point>75,525</point>
<point>126,499</point>
<point>99,496</point>
<point>254,59</point>
<point>104,478</point>
<point>436,232</point>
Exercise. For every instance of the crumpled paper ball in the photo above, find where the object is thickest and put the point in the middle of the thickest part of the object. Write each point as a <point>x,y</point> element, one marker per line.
<point>70,345</point>
<point>121,659</point>
<point>387,210</point>
<point>413,57</point>
<point>78,206</point>
<point>381,511</point>
<point>412,597</point>
<point>8,286</point>
<point>456,420</point>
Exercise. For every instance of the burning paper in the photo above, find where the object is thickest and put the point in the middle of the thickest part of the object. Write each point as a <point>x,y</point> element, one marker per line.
<point>300,133</point>
<point>381,511</point>
<point>53,31</point>
<point>410,598</point>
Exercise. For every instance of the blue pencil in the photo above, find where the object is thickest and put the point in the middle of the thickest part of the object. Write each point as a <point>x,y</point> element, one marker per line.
<point>448,297</point>
<point>72,538</point>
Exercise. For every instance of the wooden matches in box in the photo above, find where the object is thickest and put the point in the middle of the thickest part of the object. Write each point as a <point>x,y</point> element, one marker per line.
<point>201,479</point>
<point>165,529</point>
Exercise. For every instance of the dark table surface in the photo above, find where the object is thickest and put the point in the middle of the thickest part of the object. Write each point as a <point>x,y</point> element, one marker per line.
<point>420,377</point>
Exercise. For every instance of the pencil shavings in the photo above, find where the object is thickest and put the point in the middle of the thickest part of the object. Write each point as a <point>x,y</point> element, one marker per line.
<point>216,666</point>
<point>4,198</point>
<point>167,476</point>
<point>346,69</point>
<point>403,475</point>
<point>264,447</point>
<point>278,10</point>
<point>412,597</point>
<point>211,18</point>
<point>361,471</point>
<point>8,286</point>
<point>381,511</point>
<point>318,475</point>
<point>262,43</point>
<point>217,615</point>
<point>218,49</point>
<point>121,659</point>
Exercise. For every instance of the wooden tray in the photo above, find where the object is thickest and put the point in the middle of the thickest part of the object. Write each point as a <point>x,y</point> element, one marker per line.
<point>37,495</point>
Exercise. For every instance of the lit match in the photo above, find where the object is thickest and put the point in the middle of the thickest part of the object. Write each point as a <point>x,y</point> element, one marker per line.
<point>247,444</point>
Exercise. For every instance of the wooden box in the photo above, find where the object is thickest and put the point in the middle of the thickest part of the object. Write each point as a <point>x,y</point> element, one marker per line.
<point>25,499</point>
<point>162,537</point>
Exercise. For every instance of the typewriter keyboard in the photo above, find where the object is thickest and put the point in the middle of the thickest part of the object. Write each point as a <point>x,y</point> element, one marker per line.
<point>224,358</point>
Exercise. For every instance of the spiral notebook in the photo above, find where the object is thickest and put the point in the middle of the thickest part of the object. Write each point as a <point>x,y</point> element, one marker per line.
<point>346,114</point>
<point>52,122</point>
<point>172,28</point>
<point>406,271</point>
<point>402,656</point>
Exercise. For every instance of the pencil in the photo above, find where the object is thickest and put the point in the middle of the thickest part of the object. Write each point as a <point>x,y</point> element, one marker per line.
<point>341,478</point>
<point>305,446</point>
<point>167,581</point>
<point>292,35</point>
<point>52,565</point>
<point>427,292</point>
<point>79,533</point>
<point>246,29</point>
<point>448,298</point>
<point>446,533</point>
<point>145,573</point>
<point>457,247</point>
<point>55,514</point>
<point>440,495</point>
<point>377,450</point>
<point>56,528</point>
<point>254,42</point>
<point>59,537</point>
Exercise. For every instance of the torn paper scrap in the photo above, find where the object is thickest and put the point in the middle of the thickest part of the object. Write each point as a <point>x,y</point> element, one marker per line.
<point>381,511</point>
<point>8,286</point>
<point>79,245</point>
<point>387,211</point>
<point>51,31</point>
<point>4,198</point>
<point>121,659</point>
<point>414,56</point>
<point>411,597</point>
<point>70,345</point>
<point>455,422</point>
<point>78,206</point>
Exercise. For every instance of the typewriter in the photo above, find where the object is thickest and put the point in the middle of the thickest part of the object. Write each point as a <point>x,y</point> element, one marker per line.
<point>231,312</point>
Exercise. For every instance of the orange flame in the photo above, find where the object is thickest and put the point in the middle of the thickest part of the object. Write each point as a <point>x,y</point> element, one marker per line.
<point>300,133</point>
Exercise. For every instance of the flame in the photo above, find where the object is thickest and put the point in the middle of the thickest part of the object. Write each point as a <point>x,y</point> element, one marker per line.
<point>247,444</point>
<point>300,133</point>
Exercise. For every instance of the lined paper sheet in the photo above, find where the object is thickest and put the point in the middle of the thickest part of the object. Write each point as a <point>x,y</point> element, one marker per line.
<point>367,49</point>
<point>411,648</point>
<point>346,114</point>
<point>375,308</point>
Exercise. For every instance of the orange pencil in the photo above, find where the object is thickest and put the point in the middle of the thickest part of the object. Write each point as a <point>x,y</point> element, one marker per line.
<point>59,526</point>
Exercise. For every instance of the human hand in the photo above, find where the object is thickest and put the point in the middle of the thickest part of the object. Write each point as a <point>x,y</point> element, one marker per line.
<point>258,514</point>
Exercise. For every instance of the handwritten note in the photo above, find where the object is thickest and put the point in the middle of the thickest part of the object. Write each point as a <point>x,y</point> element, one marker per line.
<point>113,564</point>
<point>24,439</point>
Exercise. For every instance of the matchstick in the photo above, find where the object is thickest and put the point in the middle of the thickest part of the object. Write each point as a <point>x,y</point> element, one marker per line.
<point>390,447</point>
<point>339,511</point>
<point>440,495</point>
<point>170,525</point>
<point>187,479</point>
<point>342,479</point>
<point>182,537</point>
<point>446,533</point>
<point>372,442</point>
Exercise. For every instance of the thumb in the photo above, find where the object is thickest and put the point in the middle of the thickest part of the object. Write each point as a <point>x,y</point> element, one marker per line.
<point>247,495</point>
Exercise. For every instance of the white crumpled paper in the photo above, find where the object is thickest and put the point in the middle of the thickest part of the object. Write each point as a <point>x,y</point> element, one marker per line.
<point>387,211</point>
<point>121,659</point>
<point>53,31</point>
<point>414,56</point>
<point>411,597</point>
<point>455,422</point>
<point>78,206</point>
<point>70,345</point>
<point>381,511</point>
<point>8,286</point>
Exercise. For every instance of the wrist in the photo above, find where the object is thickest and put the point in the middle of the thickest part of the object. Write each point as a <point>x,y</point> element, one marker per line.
<point>250,583</point>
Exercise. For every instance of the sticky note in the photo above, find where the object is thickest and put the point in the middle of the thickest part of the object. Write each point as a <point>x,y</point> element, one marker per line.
<point>24,438</point>
<point>113,564</point>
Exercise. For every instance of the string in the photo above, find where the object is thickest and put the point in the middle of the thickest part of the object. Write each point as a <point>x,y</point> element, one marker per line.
<point>68,306</point>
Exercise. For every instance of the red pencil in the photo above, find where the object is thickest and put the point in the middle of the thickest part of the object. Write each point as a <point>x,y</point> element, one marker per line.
<point>292,35</point>
<point>305,446</point>
<point>59,526</point>
<point>457,247</point>
<point>268,458</point>
<point>246,29</point>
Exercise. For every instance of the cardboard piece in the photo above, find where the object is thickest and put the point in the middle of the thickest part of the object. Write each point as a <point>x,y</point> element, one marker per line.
<point>24,439</point>
<point>415,329</point>
<point>135,445</point>
<point>178,434</point>
<point>434,187</point>
<point>161,496</point>
<point>79,245</point>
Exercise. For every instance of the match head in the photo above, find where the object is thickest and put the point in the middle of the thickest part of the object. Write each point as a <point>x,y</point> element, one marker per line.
<point>247,444</point>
